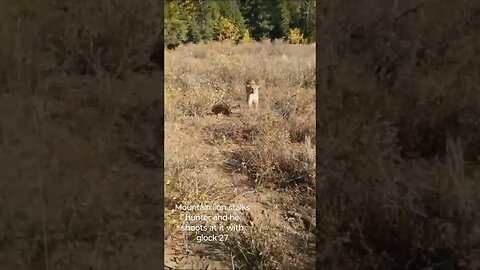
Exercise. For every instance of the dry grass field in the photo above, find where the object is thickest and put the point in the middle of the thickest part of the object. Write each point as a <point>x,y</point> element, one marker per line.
<point>398,135</point>
<point>75,192</point>
<point>264,159</point>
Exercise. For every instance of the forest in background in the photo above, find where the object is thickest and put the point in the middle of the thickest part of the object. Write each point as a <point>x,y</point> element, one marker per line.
<point>239,21</point>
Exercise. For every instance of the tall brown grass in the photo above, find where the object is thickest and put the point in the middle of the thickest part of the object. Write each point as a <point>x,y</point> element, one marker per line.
<point>398,85</point>
<point>270,151</point>
<point>71,196</point>
<point>91,37</point>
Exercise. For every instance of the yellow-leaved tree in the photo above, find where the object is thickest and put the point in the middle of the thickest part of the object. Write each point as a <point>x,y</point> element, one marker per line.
<point>227,30</point>
<point>246,37</point>
<point>295,36</point>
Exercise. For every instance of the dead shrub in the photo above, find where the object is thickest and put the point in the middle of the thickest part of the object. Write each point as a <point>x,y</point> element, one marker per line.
<point>102,37</point>
<point>244,133</point>
<point>273,160</point>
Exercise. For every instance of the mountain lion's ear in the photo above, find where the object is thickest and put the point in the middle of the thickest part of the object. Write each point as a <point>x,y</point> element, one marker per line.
<point>248,85</point>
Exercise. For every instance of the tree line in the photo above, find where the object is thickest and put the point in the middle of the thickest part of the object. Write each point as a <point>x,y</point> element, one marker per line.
<point>239,21</point>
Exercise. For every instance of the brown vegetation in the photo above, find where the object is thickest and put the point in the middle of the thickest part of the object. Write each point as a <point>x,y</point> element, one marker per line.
<point>262,158</point>
<point>399,135</point>
<point>79,149</point>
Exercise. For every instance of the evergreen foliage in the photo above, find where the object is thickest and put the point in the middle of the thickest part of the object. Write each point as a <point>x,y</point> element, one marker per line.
<point>239,21</point>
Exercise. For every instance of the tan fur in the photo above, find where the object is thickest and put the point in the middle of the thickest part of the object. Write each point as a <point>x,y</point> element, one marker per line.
<point>252,93</point>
